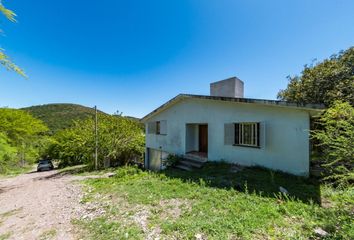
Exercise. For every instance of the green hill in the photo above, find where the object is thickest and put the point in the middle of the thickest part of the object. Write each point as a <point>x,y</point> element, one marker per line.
<point>60,116</point>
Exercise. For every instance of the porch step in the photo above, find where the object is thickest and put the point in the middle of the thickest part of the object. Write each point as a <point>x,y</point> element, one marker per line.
<point>195,158</point>
<point>183,167</point>
<point>192,163</point>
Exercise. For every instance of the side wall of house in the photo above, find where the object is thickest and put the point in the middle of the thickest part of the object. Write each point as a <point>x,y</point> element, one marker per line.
<point>284,133</point>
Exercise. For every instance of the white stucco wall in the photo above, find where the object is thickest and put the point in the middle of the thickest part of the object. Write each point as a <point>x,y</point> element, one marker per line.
<point>284,146</point>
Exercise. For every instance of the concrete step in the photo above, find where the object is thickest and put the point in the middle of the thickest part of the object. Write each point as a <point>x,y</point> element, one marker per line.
<point>191,163</point>
<point>183,167</point>
<point>195,158</point>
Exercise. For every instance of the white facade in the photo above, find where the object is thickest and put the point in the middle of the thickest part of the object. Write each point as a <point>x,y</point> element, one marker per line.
<point>283,134</point>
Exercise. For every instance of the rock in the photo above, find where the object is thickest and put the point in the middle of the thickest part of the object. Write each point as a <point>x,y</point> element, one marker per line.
<point>320,232</point>
<point>198,236</point>
<point>283,190</point>
<point>110,175</point>
<point>236,168</point>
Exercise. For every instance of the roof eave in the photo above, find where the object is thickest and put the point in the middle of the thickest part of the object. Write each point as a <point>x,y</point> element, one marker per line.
<point>313,109</point>
<point>163,106</point>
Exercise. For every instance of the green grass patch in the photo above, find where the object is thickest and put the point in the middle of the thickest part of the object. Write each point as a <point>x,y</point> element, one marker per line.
<point>103,228</point>
<point>5,236</point>
<point>48,234</point>
<point>5,215</point>
<point>84,170</point>
<point>15,171</point>
<point>217,203</point>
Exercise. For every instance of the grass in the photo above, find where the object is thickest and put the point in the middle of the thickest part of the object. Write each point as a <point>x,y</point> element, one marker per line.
<point>5,236</point>
<point>102,228</point>
<point>9,213</point>
<point>5,215</point>
<point>216,203</point>
<point>48,234</point>
<point>84,170</point>
<point>15,171</point>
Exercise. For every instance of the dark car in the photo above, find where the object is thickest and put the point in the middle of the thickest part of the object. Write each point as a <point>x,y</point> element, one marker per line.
<point>45,165</point>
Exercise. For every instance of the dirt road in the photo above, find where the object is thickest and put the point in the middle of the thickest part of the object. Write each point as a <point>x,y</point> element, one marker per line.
<point>39,206</point>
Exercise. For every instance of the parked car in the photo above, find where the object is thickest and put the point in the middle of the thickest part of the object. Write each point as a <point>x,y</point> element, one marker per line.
<point>45,165</point>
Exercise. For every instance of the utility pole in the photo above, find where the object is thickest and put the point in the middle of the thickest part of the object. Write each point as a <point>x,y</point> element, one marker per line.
<point>96,140</point>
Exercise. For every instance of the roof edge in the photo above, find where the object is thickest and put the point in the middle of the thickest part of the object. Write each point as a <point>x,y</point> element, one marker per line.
<point>277,103</point>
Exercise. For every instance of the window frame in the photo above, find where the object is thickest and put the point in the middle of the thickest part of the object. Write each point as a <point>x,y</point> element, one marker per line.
<point>253,137</point>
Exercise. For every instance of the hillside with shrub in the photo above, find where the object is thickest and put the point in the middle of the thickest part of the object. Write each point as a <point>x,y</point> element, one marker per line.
<point>65,132</point>
<point>60,116</point>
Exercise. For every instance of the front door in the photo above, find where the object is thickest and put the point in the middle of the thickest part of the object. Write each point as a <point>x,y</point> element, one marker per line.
<point>203,138</point>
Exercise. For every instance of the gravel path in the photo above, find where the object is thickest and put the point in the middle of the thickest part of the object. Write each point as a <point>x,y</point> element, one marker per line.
<point>39,206</point>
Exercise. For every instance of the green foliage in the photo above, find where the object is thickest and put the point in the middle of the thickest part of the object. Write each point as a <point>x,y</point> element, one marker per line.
<point>21,136</point>
<point>172,160</point>
<point>180,206</point>
<point>119,141</point>
<point>20,126</point>
<point>4,59</point>
<point>336,138</point>
<point>61,116</point>
<point>328,82</point>
<point>10,15</point>
<point>7,152</point>
<point>325,82</point>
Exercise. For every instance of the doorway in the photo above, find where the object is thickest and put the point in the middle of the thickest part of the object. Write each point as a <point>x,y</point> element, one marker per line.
<point>203,138</point>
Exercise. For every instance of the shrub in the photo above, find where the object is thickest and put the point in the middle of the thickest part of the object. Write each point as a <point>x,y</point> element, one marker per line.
<point>336,139</point>
<point>172,160</point>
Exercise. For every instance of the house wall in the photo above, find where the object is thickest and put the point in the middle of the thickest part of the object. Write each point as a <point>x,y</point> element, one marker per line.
<point>192,140</point>
<point>284,144</point>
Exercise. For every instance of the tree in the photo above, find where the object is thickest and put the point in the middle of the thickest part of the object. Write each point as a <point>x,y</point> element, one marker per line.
<point>119,139</point>
<point>324,82</point>
<point>330,82</point>
<point>4,59</point>
<point>337,141</point>
<point>7,152</point>
<point>21,137</point>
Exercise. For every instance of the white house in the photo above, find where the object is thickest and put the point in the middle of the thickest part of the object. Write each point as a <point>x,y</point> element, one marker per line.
<point>225,126</point>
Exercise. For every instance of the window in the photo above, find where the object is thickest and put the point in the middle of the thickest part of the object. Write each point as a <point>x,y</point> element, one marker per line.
<point>158,127</point>
<point>247,134</point>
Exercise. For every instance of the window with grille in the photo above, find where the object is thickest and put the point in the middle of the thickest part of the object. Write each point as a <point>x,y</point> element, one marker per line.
<point>247,134</point>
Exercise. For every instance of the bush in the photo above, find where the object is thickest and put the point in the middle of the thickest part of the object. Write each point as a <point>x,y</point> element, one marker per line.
<point>172,160</point>
<point>336,139</point>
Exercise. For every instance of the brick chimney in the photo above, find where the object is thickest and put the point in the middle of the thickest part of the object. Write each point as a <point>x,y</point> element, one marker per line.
<point>231,87</point>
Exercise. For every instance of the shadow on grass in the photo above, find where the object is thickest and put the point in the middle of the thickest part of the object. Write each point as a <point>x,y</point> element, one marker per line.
<point>262,181</point>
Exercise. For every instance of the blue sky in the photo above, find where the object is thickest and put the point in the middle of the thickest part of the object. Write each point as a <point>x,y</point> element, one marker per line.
<point>132,55</point>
